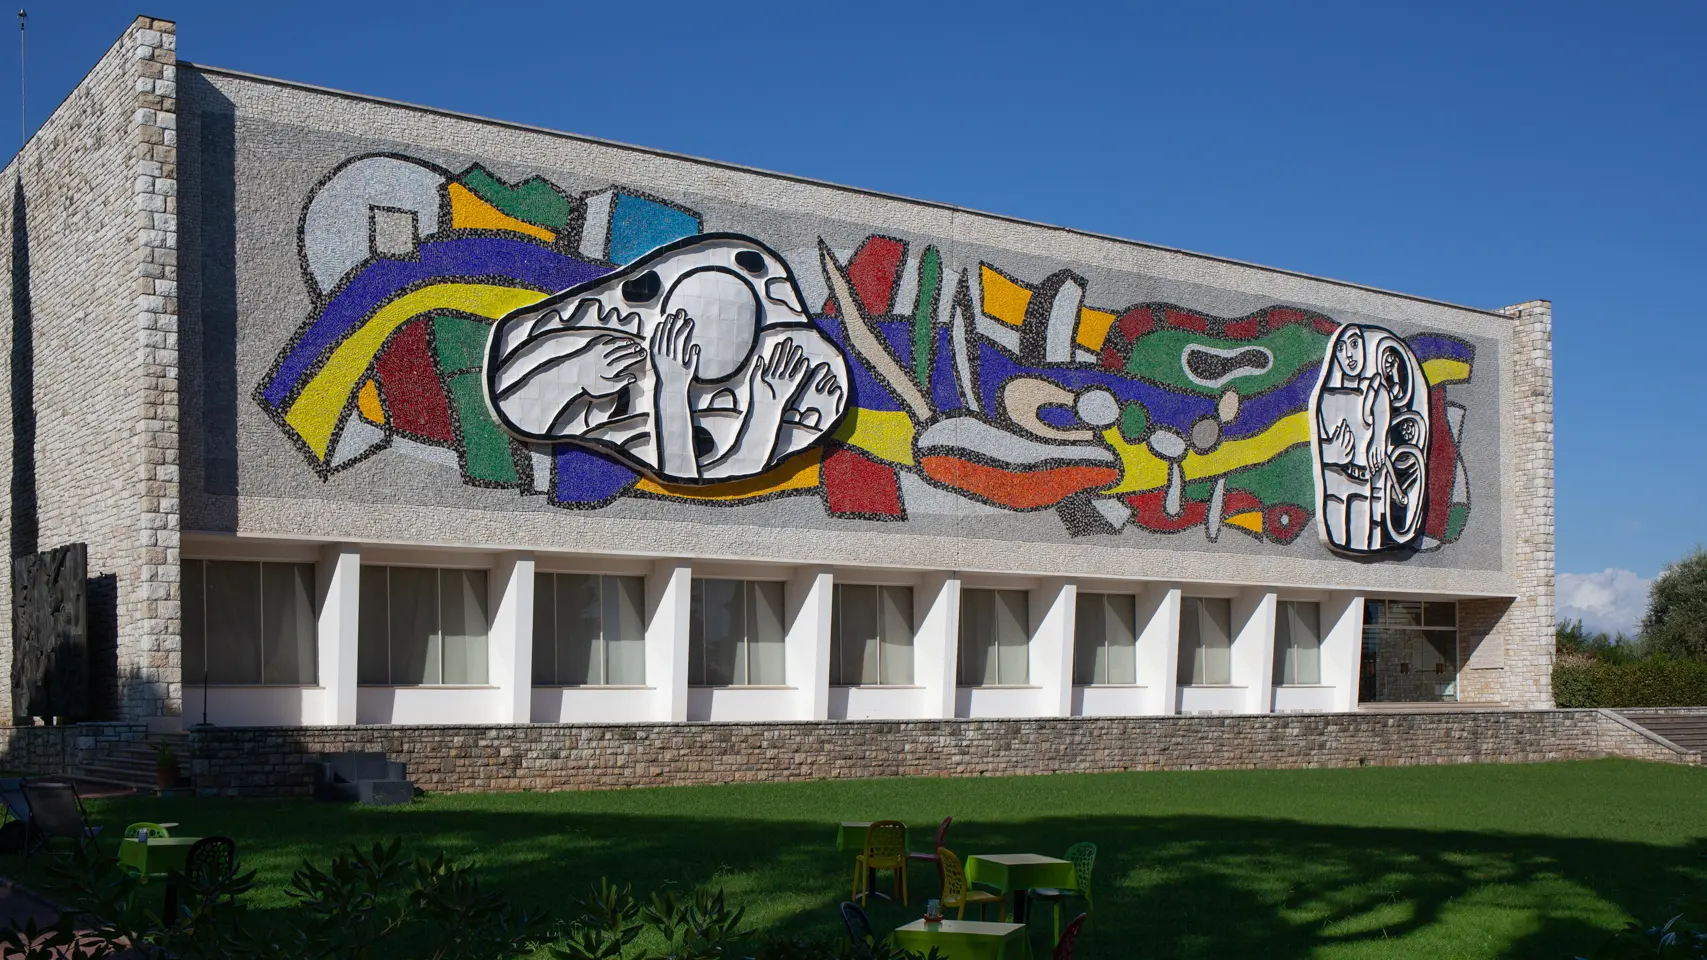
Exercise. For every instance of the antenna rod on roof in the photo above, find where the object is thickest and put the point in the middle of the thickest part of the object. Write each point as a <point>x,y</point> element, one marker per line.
<point>23,127</point>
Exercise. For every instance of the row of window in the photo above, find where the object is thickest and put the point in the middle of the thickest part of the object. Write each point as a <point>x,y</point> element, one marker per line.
<point>428,626</point>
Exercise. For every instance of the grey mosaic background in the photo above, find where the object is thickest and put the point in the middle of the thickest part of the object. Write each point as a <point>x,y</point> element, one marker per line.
<point>243,474</point>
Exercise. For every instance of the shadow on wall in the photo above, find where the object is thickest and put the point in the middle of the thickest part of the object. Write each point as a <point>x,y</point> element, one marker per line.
<point>1185,886</point>
<point>25,529</point>
<point>209,251</point>
<point>103,650</point>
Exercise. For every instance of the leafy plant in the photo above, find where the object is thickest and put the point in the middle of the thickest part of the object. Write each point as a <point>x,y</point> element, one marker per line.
<point>164,758</point>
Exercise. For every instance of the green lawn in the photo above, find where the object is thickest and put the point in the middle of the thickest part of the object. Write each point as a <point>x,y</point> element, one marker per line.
<point>1537,860</point>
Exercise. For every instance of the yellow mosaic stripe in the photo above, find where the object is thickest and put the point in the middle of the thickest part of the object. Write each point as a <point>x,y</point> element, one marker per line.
<point>799,472</point>
<point>1445,370</point>
<point>468,211</point>
<point>885,434</point>
<point>314,415</point>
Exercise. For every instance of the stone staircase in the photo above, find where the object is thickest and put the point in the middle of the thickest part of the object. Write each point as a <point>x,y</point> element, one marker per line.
<point>1686,727</point>
<point>132,763</point>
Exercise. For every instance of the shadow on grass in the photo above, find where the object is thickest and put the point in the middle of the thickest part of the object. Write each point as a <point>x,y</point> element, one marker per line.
<point>1165,886</point>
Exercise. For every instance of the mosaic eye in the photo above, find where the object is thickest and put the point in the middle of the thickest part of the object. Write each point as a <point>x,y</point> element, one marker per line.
<point>642,288</point>
<point>750,261</point>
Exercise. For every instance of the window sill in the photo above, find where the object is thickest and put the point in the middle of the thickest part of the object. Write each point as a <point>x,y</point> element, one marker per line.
<point>1210,686</point>
<point>190,687</point>
<point>1002,686</point>
<point>875,686</point>
<point>740,686</point>
<point>1304,686</point>
<point>592,686</point>
<point>426,686</point>
<point>1110,686</point>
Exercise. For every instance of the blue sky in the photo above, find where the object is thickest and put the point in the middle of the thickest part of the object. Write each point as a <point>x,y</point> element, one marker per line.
<point>1480,153</point>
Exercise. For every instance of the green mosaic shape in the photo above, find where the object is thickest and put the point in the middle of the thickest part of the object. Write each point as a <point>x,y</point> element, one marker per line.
<point>485,448</point>
<point>534,200</point>
<point>1157,357</point>
<point>459,343</point>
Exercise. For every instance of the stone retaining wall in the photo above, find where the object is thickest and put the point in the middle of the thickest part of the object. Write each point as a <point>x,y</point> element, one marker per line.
<point>61,750</point>
<point>272,761</point>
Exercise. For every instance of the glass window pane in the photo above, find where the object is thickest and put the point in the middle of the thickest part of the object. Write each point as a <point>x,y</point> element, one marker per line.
<point>462,605</point>
<point>977,637</point>
<point>233,602</point>
<point>1216,631</point>
<point>1013,633</point>
<point>1090,639</point>
<point>1121,621</point>
<point>896,623</point>
<point>836,637</point>
<point>1439,614</point>
<point>696,634</point>
<point>859,633</point>
<point>1403,613</point>
<point>287,623</point>
<point>625,630</point>
<point>195,626</point>
<point>765,648</point>
<point>725,628</point>
<point>373,633</point>
<point>545,630</point>
<point>1190,642</point>
<point>414,622</point>
<point>579,642</point>
<point>1307,643</point>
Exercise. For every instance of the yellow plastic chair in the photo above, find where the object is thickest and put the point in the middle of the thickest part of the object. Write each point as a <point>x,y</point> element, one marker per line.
<point>885,849</point>
<point>956,892</point>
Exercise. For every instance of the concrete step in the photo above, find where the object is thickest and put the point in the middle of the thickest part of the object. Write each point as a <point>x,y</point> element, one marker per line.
<point>1687,730</point>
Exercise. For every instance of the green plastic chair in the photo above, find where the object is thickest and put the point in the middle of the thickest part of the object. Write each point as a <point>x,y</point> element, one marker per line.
<point>1083,857</point>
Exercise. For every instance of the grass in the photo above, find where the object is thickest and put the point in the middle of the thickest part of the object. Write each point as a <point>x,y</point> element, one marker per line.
<point>1542,860</point>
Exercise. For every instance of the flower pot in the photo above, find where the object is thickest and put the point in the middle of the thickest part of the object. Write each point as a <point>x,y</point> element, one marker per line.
<point>166,776</point>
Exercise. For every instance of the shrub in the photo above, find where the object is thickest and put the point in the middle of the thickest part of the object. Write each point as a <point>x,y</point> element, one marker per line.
<point>1657,681</point>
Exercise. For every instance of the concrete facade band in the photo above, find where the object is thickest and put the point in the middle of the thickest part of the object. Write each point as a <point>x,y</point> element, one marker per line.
<point>1001,421</point>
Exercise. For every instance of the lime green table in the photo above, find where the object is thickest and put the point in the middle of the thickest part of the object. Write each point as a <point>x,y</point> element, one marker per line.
<point>156,857</point>
<point>1016,873</point>
<point>965,939</point>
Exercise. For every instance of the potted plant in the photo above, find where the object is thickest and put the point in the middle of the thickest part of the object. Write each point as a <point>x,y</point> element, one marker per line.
<point>165,766</point>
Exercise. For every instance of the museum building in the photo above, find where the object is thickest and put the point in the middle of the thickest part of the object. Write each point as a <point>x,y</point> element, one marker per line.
<point>371,413</point>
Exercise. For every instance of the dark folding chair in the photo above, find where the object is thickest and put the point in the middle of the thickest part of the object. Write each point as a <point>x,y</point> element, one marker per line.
<point>209,866</point>
<point>931,857</point>
<point>859,927</point>
<point>1069,937</point>
<point>56,812</point>
<point>14,817</point>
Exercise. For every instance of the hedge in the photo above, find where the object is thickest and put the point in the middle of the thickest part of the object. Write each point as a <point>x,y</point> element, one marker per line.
<point>1649,682</point>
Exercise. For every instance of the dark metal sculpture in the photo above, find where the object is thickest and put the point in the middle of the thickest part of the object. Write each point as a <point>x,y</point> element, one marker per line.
<point>50,633</point>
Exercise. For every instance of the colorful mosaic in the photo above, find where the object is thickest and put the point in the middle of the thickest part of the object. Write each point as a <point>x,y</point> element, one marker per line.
<point>637,356</point>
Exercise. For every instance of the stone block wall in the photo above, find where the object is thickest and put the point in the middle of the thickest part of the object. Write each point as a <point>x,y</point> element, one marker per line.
<point>61,750</point>
<point>1527,627</point>
<point>91,219</point>
<point>271,761</point>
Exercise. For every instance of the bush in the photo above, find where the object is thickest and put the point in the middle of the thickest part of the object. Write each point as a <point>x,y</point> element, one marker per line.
<point>1657,681</point>
<point>1676,623</point>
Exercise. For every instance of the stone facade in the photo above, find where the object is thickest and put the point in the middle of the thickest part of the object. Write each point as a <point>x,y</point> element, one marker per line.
<point>91,208</point>
<point>275,761</point>
<point>1528,625</point>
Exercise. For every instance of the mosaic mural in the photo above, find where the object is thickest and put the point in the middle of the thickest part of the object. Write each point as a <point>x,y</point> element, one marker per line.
<point>588,348</point>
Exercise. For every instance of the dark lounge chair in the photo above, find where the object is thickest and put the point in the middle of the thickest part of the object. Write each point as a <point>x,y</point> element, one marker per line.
<point>362,778</point>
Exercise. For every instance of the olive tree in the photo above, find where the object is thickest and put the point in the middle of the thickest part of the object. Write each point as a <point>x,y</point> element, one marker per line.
<point>1676,622</point>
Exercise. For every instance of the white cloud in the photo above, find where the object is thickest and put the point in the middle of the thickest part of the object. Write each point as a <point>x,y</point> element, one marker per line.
<point>1611,600</point>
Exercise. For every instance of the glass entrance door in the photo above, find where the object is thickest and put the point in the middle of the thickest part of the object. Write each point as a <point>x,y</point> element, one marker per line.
<point>1410,652</point>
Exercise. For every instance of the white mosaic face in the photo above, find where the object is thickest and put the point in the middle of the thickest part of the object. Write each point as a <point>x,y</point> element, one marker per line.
<point>696,362</point>
<point>1370,415</point>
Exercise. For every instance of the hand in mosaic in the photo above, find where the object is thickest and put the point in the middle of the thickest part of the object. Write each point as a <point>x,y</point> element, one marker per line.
<point>727,363</point>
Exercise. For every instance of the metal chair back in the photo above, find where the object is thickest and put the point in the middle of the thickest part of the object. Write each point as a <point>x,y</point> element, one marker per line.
<point>1083,857</point>
<point>211,861</point>
<point>858,924</point>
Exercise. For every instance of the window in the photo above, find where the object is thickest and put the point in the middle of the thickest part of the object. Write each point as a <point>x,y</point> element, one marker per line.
<point>871,635</point>
<point>1105,639</point>
<point>1297,643</point>
<point>995,638</point>
<point>1410,651</point>
<point>735,634</point>
<point>588,630</point>
<point>1205,641</point>
<point>248,622</point>
<point>421,626</point>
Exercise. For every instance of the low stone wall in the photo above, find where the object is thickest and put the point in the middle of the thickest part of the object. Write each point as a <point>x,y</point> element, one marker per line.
<point>272,761</point>
<point>61,750</point>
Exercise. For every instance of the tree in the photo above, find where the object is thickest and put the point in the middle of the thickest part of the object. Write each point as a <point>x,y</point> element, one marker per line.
<point>1676,623</point>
